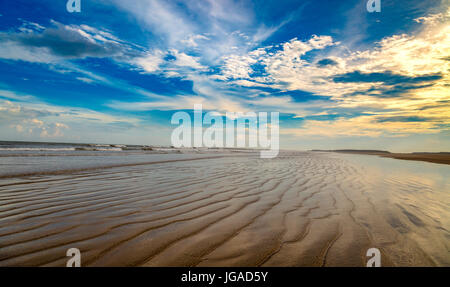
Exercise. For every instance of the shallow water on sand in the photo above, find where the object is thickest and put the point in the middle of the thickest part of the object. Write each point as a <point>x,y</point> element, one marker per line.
<point>300,209</point>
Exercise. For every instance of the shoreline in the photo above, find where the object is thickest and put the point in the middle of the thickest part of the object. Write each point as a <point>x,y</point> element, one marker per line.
<point>432,157</point>
<point>439,158</point>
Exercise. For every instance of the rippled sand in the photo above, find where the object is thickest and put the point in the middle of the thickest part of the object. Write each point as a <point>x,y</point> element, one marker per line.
<point>300,209</point>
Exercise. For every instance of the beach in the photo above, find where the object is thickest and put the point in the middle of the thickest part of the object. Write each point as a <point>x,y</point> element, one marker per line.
<point>434,157</point>
<point>222,208</point>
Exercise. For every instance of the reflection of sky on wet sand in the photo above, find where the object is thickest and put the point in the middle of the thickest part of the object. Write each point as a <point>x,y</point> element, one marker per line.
<point>413,197</point>
<point>430,174</point>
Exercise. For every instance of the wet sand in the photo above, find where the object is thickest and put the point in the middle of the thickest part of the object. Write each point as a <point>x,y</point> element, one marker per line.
<point>300,209</point>
<point>441,158</point>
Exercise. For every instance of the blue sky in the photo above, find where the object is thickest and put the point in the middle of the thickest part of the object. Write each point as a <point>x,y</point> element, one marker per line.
<point>116,72</point>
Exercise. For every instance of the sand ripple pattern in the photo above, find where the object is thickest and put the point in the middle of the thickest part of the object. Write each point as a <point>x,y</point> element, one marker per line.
<point>300,209</point>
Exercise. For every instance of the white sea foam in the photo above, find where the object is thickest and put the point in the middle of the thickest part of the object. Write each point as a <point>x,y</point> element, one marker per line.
<point>35,149</point>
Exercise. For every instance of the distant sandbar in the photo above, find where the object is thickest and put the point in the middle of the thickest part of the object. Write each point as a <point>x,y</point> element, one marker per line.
<point>439,157</point>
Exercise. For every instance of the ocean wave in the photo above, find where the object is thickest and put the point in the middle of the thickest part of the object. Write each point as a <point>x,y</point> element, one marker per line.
<point>98,149</point>
<point>36,149</point>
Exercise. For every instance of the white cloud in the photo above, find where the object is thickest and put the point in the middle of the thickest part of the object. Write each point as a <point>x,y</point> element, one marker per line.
<point>208,27</point>
<point>15,96</point>
<point>161,17</point>
<point>192,40</point>
<point>150,62</point>
<point>184,60</point>
<point>86,80</point>
<point>364,126</point>
<point>35,127</point>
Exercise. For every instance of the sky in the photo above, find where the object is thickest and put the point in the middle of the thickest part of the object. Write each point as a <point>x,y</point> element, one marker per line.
<point>116,72</point>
